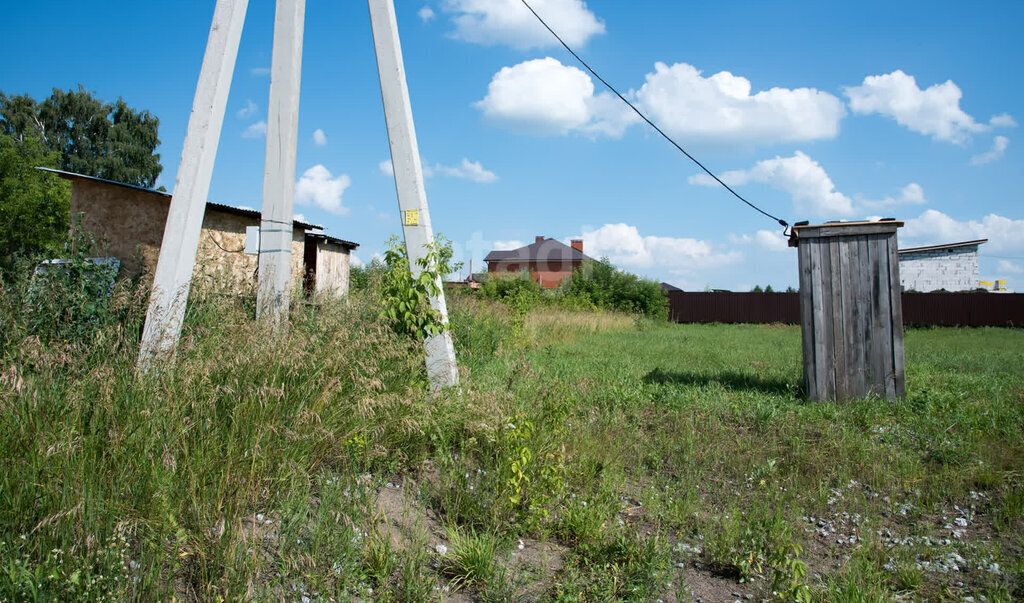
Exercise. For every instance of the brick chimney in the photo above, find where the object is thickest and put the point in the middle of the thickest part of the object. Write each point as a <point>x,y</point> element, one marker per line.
<point>539,238</point>
<point>577,244</point>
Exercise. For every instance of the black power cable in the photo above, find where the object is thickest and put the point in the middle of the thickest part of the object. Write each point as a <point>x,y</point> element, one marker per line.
<point>649,122</point>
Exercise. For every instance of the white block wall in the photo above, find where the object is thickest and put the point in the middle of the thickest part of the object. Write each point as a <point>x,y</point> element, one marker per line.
<point>953,269</point>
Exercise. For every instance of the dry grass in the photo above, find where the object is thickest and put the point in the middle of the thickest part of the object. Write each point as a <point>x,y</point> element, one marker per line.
<point>546,325</point>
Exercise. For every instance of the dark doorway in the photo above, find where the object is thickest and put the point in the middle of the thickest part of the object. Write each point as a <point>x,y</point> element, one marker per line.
<point>309,266</point>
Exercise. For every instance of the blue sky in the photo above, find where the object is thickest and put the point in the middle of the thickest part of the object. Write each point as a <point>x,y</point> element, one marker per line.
<point>812,110</point>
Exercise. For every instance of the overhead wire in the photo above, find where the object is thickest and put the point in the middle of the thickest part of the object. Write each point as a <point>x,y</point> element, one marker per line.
<point>782,222</point>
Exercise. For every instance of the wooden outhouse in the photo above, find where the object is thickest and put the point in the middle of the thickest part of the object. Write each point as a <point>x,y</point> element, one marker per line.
<point>850,309</point>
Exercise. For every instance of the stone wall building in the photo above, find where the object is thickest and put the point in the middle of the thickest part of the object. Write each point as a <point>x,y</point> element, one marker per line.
<point>127,222</point>
<point>952,267</point>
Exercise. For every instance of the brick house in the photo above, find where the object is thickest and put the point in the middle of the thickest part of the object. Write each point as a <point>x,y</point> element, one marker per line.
<point>952,267</point>
<point>547,261</point>
<point>127,222</point>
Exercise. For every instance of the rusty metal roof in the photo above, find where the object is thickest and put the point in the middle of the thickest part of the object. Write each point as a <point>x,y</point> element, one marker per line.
<point>333,240</point>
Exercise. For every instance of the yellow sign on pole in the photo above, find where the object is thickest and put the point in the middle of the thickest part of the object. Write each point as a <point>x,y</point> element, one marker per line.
<point>412,217</point>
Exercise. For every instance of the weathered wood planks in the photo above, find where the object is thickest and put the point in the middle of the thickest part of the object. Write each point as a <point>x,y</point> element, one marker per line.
<point>850,311</point>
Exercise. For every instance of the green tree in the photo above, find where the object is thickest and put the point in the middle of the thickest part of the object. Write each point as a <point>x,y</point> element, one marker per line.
<point>34,205</point>
<point>94,137</point>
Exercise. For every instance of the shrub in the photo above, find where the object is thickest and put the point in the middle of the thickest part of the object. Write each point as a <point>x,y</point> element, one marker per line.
<point>504,287</point>
<point>608,287</point>
<point>66,300</point>
<point>406,297</point>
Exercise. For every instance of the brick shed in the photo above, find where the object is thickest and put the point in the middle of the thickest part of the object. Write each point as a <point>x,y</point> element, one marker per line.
<point>127,222</point>
<point>548,261</point>
<point>952,267</point>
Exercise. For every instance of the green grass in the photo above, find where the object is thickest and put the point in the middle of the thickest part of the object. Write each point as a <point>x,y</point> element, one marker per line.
<point>250,469</point>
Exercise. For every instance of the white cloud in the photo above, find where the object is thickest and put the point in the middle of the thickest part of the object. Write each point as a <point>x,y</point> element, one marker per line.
<point>256,130</point>
<point>318,187</point>
<point>467,170</point>
<point>934,111</point>
<point>506,245</point>
<point>1009,267</point>
<point>999,145</point>
<point>626,248</point>
<point>911,194</point>
<point>936,228</point>
<point>721,109</point>
<point>801,177</point>
<point>426,14</point>
<point>259,71</point>
<point>354,260</point>
<point>772,240</point>
<point>543,96</point>
<point>1003,120</point>
<point>493,22</point>
<point>248,110</point>
<point>319,138</point>
<point>300,218</point>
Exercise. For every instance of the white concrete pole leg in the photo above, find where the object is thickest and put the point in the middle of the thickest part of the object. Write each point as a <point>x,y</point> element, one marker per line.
<point>275,260</point>
<point>412,197</point>
<point>177,258</point>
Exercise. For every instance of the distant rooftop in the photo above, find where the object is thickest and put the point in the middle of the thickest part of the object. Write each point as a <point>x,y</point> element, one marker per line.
<point>947,246</point>
<point>547,250</point>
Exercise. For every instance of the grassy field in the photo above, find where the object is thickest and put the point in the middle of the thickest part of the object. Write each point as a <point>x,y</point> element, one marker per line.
<point>586,456</point>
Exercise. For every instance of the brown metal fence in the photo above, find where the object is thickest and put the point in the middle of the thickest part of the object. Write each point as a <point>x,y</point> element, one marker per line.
<point>944,309</point>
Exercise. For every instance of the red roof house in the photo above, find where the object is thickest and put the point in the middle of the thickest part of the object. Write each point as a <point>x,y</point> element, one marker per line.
<point>548,261</point>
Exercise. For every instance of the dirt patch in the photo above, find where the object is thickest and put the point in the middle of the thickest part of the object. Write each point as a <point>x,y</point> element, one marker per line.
<point>707,587</point>
<point>534,564</point>
<point>406,521</point>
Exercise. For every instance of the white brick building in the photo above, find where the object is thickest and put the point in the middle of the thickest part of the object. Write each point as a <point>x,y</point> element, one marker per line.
<point>952,267</point>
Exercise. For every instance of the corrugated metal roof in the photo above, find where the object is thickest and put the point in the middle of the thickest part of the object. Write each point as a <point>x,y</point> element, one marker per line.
<point>548,250</point>
<point>333,240</point>
<point>948,246</point>
<point>238,211</point>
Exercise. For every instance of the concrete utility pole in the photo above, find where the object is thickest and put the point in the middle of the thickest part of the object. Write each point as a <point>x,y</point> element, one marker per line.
<point>412,197</point>
<point>275,267</point>
<point>185,219</point>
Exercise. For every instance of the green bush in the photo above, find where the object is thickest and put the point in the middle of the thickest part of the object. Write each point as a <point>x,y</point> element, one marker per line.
<point>67,300</point>
<point>406,297</point>
<point>504,287</point>
<point>610,288</point>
